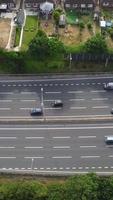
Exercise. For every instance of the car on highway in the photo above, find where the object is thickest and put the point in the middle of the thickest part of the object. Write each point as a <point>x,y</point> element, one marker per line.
<point>57,103</point>
<point>109,140</point>
<point>36,111</point>
<point>112,111</point>
<point>108,86</point>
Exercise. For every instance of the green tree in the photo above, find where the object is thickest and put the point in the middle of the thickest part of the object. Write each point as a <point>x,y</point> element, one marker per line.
<point>96,44</point>
<point>39,45</point>
<point>55,192</point>
<point>55,46</point>
<point>82,187</point>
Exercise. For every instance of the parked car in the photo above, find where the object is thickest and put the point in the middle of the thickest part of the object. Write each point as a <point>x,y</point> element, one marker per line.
<point>36,111</point>
<point>57,103</point>
<point>109,140</point>
<point>108,86</point>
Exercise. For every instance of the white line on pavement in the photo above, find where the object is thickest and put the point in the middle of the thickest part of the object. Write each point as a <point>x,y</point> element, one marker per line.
<point>25,108</point>
<point>61,147</point>
<point>90,156</point>
<point>62,137</point>
<point>76,99</point>
<point>6,93</point>
<point>99,99</point>
<point>49,100</point>
<point>34,137</point>
<point>33,147</point>
<point>7,147</point>
<point>87,146</point>
<point>33,157</point>
<point>100,107</point>
<point>52,92</point>
<point>78,108</point>
<point>29,100</point>
<point>50,108</point>
<point>28,92</point>
<point>5,100</point>
<point>7,157</point>
<point>5,108</point>
<point>98,91</point>
<point>62,157</point>
<point>87,136</point>
<point>74,92</point>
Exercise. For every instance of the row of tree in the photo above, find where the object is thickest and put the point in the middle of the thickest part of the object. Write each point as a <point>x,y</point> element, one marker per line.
<point>80,187</point>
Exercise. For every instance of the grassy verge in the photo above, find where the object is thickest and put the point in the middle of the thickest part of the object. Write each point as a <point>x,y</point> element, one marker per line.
<point>17,38</point>
<point>30,31</point>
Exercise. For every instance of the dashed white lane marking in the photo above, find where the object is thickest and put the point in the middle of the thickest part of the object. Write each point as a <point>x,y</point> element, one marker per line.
<point>28,92</point>
<point>33,157</point>
<point>41,168</point>
<point>96,107</point>
<point>99,83</point>
<point>99,167</point>
<point>8,138</point>
<point>5,108</point>
<point>75,92</point>
<point>14,85</point>
<point>111,156</point>
<point>76,99</point>
<point>90,156</point>
<point>46,85</point>
<point>6,101</point>
<point>51,84</point>
<point>67,84</point>
<point>106,167</point>
<point>61,137</point>
<point>61,147</point>
<point>7,147</point>
<point>87,136</point>
<point>25,108</point>
<point>80,167</point>
<point>49,100</point>
<point>40,84</point>
<point>48,168</point>
<point>93,83</point>
<point>87,146</point>
<point>29,85</point>
<point>78,108</point>
<point>67,168</point>
<point>93,167</point>
<point>28,100</point>
<point>33,147</point>
<point>9,85</point>
<point>86,167</point>
<point>4,85</point>
<point>34,138</point>
<point>6,93</point>
<point>94,91</point>
<point>73,167</point>
<point>50,108</point>
<point>35,85</point>
<point>7,157</point>
<point>54,168</point>
<point>99,99</point>
<point>19,85</point>
<point>61,168</point>
<point>77,84</point>
<point>24,85</point>
<point>87,83</point>
<point>72,84</point>
<point>53,92</point>
<point>61,84</point>
<point>62,157</point>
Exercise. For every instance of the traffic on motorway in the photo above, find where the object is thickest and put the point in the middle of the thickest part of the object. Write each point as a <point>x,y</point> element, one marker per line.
<point>78,97</point>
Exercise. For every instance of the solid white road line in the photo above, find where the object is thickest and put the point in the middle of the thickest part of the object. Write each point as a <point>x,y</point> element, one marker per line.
<point>100,107</point>
<point>62,157</point>
<point>52,92</point>
<point>76,99</point>
<point>62,137</point>
<point>33,147</point>
<point>34,137</point>
<point>90,156</point>
<point>25,108</point>
<point>88,136</point>
<point>75,92</point>
<point>49,100</point>
<point>78,108</point>
<point>6,93</point>
<point>50,108</point>
<point>61,147</point>
<point>87,146</point>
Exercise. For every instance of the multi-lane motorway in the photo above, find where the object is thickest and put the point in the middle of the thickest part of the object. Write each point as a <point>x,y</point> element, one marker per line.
<point>56,148</point>
<point>81,96</point>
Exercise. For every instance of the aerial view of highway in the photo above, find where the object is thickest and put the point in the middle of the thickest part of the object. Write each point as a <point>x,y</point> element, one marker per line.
<point>55,147</point>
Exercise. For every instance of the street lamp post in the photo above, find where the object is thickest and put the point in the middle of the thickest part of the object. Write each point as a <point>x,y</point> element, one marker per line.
<point>42,100</point>
<point>70,60</point>
<point>32,163</point>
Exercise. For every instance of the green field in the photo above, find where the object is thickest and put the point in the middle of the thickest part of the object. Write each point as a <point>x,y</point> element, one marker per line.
<point>30,31</point>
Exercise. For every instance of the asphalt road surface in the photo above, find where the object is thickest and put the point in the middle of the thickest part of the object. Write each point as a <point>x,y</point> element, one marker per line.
<point>56,148</point>
<point>81,96</point>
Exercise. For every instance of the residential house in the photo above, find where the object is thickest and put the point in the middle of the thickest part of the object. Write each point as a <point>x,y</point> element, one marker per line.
<point>7,5</point>
<point>107,4</point>
<point>34,5</point>
<point>79,5</point>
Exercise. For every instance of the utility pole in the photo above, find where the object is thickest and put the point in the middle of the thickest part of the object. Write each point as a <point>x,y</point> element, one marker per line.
<point>70,60</point>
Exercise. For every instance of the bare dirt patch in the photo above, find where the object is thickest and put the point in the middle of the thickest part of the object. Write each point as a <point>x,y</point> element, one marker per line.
<point>4,32</point>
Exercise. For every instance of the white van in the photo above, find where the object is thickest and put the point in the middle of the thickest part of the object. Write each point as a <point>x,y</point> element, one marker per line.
<point>109,140</point>
<point>108,86</point>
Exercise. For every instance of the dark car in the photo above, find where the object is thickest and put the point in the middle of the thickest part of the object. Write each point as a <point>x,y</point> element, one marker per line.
<point>109,140</point>
<point>36,111</point>
<point>57,103</point>
<point>108,86</point>
<point>112,111</point>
